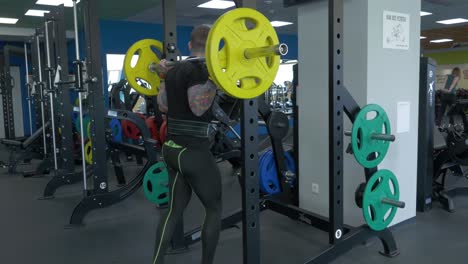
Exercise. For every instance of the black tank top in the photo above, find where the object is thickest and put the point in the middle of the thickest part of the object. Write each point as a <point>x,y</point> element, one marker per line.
<point>178,80</point>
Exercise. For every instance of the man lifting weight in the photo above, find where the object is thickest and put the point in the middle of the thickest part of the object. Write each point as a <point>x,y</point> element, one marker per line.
<point>187,97</point>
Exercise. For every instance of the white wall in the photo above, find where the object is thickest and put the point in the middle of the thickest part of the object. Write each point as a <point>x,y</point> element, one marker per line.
<point>372,75</point>
<point>312,97</point>
<point>393,77</point>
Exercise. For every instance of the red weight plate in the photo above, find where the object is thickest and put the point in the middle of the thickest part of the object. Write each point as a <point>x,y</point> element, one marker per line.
<point>130,130</point>
<point>153,127</point>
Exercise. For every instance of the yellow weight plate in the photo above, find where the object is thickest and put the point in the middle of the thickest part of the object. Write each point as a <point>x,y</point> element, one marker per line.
<point>142,72</point>
<point>240,29</point>
<point>89,152</point>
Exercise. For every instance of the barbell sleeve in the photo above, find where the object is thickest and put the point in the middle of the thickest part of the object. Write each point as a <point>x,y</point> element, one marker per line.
<point>383,137</point>
<point>394,203</point>
<point>275,50</point>
<point>376,136</point>
<point>250,53</point>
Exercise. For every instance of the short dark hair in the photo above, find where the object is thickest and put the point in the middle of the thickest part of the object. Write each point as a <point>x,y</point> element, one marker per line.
<point>198,37</point>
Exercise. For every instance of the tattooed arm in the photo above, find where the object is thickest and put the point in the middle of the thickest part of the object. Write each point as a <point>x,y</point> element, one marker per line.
<point>201,97</point>
<point>162,98</point>
<point>162,70</point>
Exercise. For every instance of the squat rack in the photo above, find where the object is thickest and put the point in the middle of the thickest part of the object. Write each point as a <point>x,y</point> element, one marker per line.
<point>341,237</point>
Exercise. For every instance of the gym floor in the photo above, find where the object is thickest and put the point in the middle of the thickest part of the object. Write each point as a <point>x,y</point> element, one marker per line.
<point>33,231</point>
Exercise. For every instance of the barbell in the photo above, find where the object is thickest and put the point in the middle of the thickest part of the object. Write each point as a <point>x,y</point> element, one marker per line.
<point>242,56</point>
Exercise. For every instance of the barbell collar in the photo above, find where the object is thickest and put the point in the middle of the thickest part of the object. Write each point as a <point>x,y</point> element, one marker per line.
<point>394,203</point>
<point>152,67</point>
<point>275,50</point>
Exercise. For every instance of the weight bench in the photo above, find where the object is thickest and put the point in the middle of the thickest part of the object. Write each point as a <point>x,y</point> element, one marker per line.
<point>21,150</point>
<point>443,163</point>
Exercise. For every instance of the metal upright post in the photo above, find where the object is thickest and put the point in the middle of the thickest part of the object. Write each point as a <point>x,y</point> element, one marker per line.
<point>250,190</point>
<point>170,48</point>
<point>41,91</point>
<point>80,97</point>
<point>96,104</point>
<point>79,82</point>
<point>336,114</point>
<point>50,91</point>
<point>8,111</point>
<point>34,94</point>
<point>63,94</point>
<point>170,29</point>
<point>28,87</point>
<point>2,93</point>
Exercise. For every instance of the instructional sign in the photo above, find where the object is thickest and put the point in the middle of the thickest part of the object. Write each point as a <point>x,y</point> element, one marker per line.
<point>396,30</point>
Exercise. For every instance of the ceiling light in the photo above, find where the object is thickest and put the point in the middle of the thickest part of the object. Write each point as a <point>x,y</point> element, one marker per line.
<point>441,40</point>
<point>452,21</point>
<point>422,37</point>
<point>33,12</point>
<point>425,13</point>
<point>218,4</point>
<point>6,20</point>
<point>280,23</point>
<point>67,3</point>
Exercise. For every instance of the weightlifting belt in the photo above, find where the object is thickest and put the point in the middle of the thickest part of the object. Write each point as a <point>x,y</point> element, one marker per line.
<point>189,128</point>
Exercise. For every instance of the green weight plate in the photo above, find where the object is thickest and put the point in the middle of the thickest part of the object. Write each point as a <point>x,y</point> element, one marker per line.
<point>367,151</point>
<point>155,184</point>
<point>379,215</point>
<point>86,123</point>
